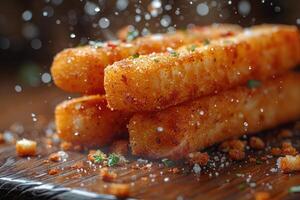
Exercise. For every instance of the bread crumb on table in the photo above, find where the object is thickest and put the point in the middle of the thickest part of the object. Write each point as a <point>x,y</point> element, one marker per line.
<point>288,149</point>
<point>26,147</point>
<point>256,143</point>
<point>107,175</point>
<point>289,163</point>
<point>53,171</point>
<point>198,158</point>
<point>120,190</point>
<point>236,154</point>
<point>232,144</point>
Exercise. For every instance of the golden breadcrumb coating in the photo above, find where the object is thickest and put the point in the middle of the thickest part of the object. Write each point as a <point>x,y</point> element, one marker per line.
<point>81,69</point>
<point>197,124</point>
<point>157,81</point>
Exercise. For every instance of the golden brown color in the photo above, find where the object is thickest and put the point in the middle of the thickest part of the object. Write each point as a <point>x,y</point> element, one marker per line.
<point>194,125</point>
<point>87,121</point>
<point>157,81</point>
<point>81,69</point>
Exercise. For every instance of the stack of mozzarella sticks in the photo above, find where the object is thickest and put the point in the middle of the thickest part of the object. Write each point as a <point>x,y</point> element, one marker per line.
<point>180,92</point>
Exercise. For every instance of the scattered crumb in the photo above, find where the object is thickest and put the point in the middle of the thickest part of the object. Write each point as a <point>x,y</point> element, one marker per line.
<point>285,133</point>
<point>251,159</point>
<point>119,189</point>
<point>288,149</point>
<point>26,147</point>
<point>58,156</point>
<point>120,147</point>
<point>289,163</point>
<point>262,196</point>
<point>66,146</point>
<point>175,170</point>
<point>53,171</point>
<point>275,151</point>
<point>107,175</point>
<point>77,165</point>
<point>199,158</point>
<point>256,143</point>
<point>236,154</point>
<point>232,144</point>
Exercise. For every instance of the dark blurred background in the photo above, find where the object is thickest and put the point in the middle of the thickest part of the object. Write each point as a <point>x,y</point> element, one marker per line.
<point>33,31</point>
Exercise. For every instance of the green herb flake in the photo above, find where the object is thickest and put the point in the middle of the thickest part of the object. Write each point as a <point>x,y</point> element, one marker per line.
<point>99,156</point>
<point>253,84</point>
<point>294,189</point>
<point>113,159</point>
<point>167,162</point>
<point>156,60</point>
<point>192,48</point>
<point>206,42</point>
<point>135,55</point>
<point>174,53</point>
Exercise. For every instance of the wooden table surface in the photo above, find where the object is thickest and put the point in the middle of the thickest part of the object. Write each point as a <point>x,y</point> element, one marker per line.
<point>27,178</point>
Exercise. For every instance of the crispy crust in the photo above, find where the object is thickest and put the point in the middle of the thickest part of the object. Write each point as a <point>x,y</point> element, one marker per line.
<point>157,81</point>
<point>194,125</point>
<point>81,69</point>
<point>87,121</point>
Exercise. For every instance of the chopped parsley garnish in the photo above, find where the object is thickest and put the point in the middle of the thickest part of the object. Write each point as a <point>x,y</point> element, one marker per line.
<point>167,162</point>
<point>99,156</point>
<point>113,159</point>
<point>135,55</point>
<point>253,84</point>
<point>294,189</point>
<point>206,42</point>
<point>131,35</point>
<point>192,48</point>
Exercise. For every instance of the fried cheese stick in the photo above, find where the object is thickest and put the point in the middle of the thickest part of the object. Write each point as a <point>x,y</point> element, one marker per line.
<point>157,81</point>
<point>87,121</point>
<point>197,124</point>
<point>81,69</point>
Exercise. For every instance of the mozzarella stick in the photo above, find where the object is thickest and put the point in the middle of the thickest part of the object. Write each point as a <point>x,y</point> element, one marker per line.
<point>197,124</point>
<point>81,69</point>
<point>87,121</point>
<point>157,81</point>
